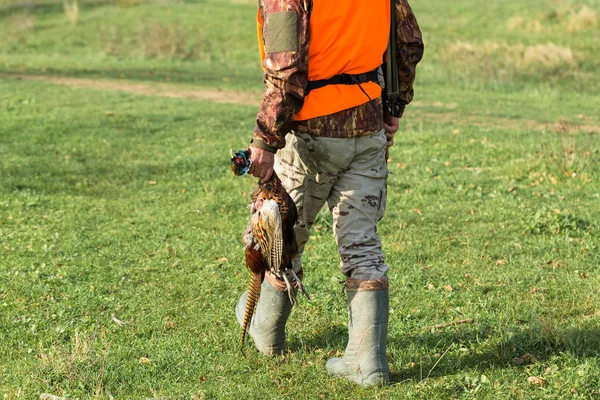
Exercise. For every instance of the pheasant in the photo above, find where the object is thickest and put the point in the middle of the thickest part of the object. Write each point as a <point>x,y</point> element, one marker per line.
<point>269,240</point>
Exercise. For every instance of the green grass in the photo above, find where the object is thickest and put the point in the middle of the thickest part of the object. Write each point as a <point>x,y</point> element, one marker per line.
<point>206,42</point>
<point>113,204</point>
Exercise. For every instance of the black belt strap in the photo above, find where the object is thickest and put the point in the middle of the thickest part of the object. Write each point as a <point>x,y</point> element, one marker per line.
<point>343,79</point>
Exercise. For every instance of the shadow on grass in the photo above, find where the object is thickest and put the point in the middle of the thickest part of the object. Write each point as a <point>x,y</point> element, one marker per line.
<point>521,348</point>
<point>334,336</point>
<point>536,344</point>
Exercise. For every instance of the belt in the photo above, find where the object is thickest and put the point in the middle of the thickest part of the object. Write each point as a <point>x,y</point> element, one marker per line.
<point>343,79</point>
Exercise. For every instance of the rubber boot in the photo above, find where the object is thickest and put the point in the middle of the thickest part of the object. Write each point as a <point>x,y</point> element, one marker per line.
<point>267,327</point>
<point>364,361</point>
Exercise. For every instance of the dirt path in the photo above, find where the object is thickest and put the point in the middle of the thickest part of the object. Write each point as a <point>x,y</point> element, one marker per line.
<point>152,89</point>
<point>253,99</point>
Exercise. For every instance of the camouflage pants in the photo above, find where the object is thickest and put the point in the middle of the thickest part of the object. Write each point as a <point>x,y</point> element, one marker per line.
<point>349,174</point>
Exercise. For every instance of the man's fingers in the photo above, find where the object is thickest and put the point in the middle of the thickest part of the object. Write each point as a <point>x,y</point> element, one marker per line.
<point>262,164</point>
<point>259,172</point>
<point>391,128</point>
<point>393,125</point>
<point>268,175</point>
<point>255,170</point>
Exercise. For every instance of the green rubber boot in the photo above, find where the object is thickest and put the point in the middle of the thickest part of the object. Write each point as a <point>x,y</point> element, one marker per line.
<point>364,361</point>
<point>267,327</point>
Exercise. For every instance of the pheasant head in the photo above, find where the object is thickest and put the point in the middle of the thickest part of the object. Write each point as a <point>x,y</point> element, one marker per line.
<point>240,162</point>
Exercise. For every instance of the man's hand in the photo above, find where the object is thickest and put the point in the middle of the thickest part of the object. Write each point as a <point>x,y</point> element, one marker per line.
<point>262,163</point>
<point>391,127</point>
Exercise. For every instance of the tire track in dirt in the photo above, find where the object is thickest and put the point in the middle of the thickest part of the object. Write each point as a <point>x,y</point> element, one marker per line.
<point>253,98</point>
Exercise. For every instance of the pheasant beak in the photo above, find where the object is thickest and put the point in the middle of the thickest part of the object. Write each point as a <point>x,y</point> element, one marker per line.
<point>232,153</point>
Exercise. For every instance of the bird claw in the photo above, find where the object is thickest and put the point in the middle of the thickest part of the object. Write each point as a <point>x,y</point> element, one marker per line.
<point>299,284</point>
<point>291,291</point>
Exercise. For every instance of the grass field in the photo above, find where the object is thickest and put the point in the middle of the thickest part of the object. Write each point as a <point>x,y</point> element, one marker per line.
<point>120,221</point>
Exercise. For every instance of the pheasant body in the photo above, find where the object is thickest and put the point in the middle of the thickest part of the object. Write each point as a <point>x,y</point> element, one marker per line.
<point>269,239</point>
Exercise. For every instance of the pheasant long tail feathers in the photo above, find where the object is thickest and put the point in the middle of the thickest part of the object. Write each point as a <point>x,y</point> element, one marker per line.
<point>276,252</point>
<point>251,301</point>
<point>266,228</point>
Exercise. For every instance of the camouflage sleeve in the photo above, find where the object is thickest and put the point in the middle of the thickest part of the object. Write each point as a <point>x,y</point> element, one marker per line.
<point>410,49</point>
<point>285,36</point>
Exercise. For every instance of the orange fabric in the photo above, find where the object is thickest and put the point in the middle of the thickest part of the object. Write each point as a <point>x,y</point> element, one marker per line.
<point>259,34</point>
<point>346,36</point>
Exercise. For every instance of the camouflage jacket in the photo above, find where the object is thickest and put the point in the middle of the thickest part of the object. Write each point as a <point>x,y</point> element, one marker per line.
<point>286,77</point>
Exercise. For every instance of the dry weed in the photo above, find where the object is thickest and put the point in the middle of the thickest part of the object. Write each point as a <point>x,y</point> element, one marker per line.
<point>563,127</point>
<point>558,14</point>
<point>502,60</point>
<point>71,8</point>
<point>585,19</point>
<point>520,23</point>
<point>127,3</point>
<point>561,18</point>
<point>72,360</point>
<point>114,42</point>
<point>548,55</point>
<point>155,41</point>
<point>165,42</point>
<point>574,156</point>
<point>22,23</point>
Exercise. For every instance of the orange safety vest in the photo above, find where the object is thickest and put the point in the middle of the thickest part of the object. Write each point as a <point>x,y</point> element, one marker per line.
<point>346,37</point>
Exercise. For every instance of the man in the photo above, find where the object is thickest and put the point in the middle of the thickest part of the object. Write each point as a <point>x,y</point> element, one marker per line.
<point>324,135</point>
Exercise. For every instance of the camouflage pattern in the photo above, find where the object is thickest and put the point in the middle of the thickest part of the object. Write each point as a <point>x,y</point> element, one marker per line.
<point>286,77</point>
<point>410,49</point>
<point>365,119</point>
<point>349,174</point>
<point>337,159</point>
